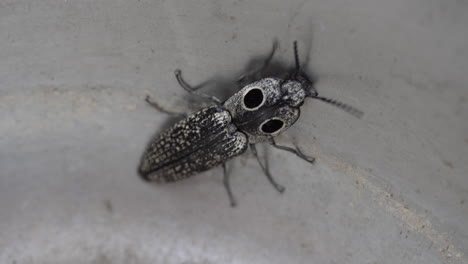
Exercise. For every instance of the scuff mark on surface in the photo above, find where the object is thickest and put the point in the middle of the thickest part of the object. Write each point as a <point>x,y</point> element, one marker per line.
<point>412,220</point>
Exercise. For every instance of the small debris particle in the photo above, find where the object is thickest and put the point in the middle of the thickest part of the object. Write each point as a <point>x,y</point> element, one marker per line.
<point>448,163</point>
<point>446,251</point>
<point>129,107</point>
<point>108,205</point>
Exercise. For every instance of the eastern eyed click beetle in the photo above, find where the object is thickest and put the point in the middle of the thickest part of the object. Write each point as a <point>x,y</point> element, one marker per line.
<point>258,112</point>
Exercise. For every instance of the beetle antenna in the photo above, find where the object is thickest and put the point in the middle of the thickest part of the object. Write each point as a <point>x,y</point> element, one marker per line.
<point>347,108</point>
<point>301,76</point>
<point>296,56</point>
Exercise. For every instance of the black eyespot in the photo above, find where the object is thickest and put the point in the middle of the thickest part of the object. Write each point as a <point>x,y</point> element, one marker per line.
<point>253,98</point>
<point>272,126</point>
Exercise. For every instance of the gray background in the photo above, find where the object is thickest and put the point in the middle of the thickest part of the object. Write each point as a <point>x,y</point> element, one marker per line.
<point>391,187</point>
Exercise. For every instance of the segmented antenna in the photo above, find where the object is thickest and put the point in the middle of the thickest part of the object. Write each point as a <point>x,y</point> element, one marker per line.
<point>296,56</point>
<point>347,108</point>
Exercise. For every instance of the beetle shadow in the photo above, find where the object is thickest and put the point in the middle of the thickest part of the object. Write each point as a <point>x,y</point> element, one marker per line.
<point>275,69</point>
<point>223,87</point>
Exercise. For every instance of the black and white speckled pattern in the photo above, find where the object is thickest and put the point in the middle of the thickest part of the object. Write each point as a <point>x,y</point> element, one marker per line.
<point>271,90</point>
<point>201,141</point>
<point>282,101</point>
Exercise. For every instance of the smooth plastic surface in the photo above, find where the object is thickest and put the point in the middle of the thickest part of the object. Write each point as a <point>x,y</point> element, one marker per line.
<point>391,187</point>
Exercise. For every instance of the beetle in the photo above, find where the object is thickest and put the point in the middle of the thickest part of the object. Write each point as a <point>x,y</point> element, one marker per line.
<point>258,112</point>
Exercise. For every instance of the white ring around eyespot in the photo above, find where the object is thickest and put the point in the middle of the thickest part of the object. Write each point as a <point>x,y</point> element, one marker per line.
<point>245,93</point>
<point>274,133</point>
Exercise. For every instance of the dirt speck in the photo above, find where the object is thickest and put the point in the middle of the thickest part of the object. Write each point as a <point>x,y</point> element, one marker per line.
<point>447,252</point>
<point>129,107</point>
<point>108,205</point>
<point>233,37</point>
<point>448,163</point>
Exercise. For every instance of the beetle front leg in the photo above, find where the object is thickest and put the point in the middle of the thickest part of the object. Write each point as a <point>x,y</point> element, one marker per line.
<point>296,151</point>
<point>193,90</point>
<point>227,186</point>
<point>266,170</point>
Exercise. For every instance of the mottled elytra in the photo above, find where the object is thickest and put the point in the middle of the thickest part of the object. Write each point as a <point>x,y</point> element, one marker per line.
<point>258,112</point>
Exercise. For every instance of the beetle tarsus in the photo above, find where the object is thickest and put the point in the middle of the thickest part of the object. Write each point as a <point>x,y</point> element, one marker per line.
<point>227,186</point>
<point>193,90</point>
<point>161,109</point>
<point>296,151</point>
<point>280,188</point>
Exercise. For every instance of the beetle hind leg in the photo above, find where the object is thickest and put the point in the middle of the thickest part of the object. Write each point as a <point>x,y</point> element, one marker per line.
<point>280,188</point>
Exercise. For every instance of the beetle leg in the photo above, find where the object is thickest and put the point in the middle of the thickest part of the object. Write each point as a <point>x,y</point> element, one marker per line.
<point>249,76</point>
<point>227,186</point>
<point>296,151</point>
<point>193,90</point>
<point>266,170</point>
<point>161,109</point>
